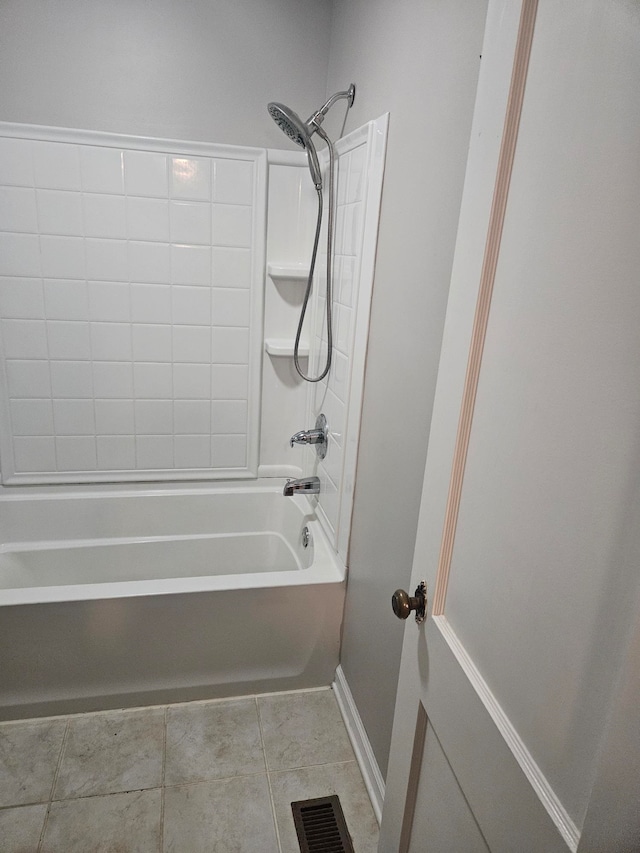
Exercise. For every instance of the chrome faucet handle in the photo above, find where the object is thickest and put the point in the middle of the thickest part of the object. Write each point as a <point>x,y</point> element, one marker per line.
<point>318,436</point>
<point>307,436</point>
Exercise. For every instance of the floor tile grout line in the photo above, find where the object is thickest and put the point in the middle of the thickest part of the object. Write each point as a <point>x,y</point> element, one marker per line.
<point>107,794</point>
<point>63,747</point>
<point>262,743</point>
<point>312,766</point>
<point>185,784</point>
<point>266,765</point>
<point>163,779</point>
<point>24,805</point>
<point>214,780</point>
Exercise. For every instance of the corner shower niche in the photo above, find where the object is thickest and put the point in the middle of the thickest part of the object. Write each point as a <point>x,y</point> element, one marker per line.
<point>282,275</point>
<point>149,297</point>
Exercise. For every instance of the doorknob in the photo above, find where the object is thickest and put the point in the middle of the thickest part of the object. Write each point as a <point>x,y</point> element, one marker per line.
<point>403,603</point>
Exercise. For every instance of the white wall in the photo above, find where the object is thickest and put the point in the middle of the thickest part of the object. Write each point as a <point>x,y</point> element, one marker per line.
<point>197,70</point>
<point>420,61</point>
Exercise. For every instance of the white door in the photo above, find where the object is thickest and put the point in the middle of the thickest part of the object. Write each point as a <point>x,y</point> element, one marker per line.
<point>517,725</point>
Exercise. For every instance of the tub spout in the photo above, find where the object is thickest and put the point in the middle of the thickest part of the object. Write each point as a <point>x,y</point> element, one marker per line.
<point>305,486</point>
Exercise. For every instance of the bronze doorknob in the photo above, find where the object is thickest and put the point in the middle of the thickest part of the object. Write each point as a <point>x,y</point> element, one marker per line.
<point>403,603</point>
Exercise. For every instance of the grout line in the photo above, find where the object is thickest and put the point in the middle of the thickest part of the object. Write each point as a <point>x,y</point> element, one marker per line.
<point>266,764</point>
<point>262,743</point>
<point>107,794</point>
<point>91,360</point>
<point>313,766</point>
<point>23,805</point>
<point>162,790</point>
<point>63,748</point>
<point>214,780</point>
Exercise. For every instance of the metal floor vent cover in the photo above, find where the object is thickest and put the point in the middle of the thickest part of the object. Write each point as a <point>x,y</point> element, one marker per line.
<point>321,826</point>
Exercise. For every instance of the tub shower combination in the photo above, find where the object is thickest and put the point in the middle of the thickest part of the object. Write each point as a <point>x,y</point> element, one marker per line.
<point>147,552</point>
<point>163,611</point>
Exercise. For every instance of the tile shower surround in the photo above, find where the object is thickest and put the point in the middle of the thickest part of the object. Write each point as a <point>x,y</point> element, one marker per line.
<point>331,395</point>
<point>129,308</point>
<point>360,170</point>
<point>192,777</point>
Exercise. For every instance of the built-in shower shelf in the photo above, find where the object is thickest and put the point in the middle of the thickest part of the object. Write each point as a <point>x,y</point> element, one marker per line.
<point>288,272</point>
<point>283,348</point>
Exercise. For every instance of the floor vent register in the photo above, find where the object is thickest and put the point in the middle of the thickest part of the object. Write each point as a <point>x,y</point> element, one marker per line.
<point>321,826</point>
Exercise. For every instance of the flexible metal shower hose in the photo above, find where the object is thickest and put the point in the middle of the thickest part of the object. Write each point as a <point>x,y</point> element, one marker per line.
<point>314,252</point>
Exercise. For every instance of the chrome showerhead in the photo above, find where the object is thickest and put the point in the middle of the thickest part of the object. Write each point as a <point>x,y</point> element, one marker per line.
<point>301,132</point>
<point>291,123</point>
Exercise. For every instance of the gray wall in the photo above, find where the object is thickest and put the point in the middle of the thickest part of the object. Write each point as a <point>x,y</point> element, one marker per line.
<point>201,70</point>
<point>418,59</point>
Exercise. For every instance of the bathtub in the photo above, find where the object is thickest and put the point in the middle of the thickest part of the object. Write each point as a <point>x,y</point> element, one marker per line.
<point>126,597</point>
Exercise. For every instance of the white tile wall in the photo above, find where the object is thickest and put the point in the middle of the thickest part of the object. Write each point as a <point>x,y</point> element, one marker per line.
<point>359,189</point>
<point>130,297</point>
<point>331,396</point>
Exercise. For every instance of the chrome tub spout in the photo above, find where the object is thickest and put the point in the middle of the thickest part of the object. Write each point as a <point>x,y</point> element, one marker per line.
<point>304,486</point>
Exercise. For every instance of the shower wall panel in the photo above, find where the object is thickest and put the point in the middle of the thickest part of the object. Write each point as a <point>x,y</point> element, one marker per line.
<point>360,169</point>
<point>131,290</point>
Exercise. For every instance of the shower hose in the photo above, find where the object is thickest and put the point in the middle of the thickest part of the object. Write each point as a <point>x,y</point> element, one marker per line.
<point>314,253</point>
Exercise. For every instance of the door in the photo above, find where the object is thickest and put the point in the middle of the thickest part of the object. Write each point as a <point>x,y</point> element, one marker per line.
<point>516,720</point>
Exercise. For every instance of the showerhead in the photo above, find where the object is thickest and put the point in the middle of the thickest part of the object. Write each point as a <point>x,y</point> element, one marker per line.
<point>291,123</point>
<point>301,132</point>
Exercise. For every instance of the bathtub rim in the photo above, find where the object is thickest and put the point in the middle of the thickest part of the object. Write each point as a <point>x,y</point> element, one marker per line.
<point>70,491</point>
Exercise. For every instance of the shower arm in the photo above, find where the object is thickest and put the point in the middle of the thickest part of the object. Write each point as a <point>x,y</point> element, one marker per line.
<point>318,117</point>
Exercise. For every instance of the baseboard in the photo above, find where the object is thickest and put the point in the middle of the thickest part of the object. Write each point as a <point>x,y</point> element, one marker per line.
<point>360,742</point>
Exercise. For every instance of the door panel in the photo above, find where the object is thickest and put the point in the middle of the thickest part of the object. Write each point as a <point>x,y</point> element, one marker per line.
<point>445,823</point>
<point>528,527</point>
<point>555,424</point>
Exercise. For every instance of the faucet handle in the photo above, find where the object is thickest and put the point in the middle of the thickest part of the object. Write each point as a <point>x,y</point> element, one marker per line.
<point>317,436</point>
<point>302,437</point>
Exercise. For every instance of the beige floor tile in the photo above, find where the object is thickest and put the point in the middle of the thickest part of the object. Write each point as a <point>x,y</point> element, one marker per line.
<point>20,828</point>
<point>307,783</point>
<point>112,752</point>
<point>301,729</point>
<point>212,740</point>
<point>116,823</point>
<point>227,816</point>
<point>29,754</point>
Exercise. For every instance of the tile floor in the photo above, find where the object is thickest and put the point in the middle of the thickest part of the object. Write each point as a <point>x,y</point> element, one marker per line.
<point>200,776</point>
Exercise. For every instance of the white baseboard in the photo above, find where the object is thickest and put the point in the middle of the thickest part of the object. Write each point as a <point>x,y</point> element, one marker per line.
<point>373,780</point>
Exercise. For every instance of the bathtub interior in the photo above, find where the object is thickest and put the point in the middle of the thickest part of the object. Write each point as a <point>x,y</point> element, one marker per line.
<point>67,513</point>
<point>90,544</point>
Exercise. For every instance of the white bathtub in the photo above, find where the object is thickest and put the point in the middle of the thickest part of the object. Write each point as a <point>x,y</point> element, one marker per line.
<point>120,598</point>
